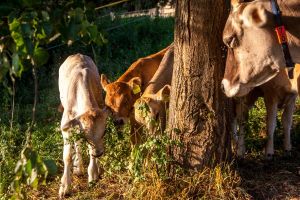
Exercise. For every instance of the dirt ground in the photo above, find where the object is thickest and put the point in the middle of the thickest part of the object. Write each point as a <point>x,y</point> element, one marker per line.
<point>263,180</point>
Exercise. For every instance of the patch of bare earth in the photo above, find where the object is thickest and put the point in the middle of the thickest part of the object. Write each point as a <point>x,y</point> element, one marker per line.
<point>276,179</point>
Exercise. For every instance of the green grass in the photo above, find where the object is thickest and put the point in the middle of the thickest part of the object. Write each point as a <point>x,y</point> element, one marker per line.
<point>125,44</point>
<point>129,174</point>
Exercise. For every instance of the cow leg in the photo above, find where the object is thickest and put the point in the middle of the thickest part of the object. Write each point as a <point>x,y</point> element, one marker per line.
<point>67,157</point>
<point>93,167</point>
<point>78,168</point>
<point>287,119</point>
<point>241,148</point>
<point>272,108</point>
<point>241,117</point>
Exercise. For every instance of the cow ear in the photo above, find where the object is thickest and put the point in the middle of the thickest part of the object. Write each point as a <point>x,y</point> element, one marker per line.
<point>68,124</point>
<point>164,93</point>
<point>135,84</point>
<point>104,81</point>
<point>254,15</point>
<point>60,108</point>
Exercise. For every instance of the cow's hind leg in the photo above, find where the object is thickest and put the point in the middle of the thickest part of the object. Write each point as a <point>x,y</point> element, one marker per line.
<point>67,157</point>
<point>93,167</point>
<point>78,168</point>
<point>287,120</point>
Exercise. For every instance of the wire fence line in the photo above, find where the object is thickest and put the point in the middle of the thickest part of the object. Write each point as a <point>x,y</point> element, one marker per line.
<point>142,14</point>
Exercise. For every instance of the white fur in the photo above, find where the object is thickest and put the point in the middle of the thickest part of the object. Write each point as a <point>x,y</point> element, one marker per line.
<point>78,168</point>
<point>230,90</point>
<point>287,120</point>
<point>271,125</point>
<point>93,167</point>
<point>67,157</point>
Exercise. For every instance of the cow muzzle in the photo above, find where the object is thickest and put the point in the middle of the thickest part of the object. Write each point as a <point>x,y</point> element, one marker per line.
<point>228,89</point>
<point>97,153</point>
<point>236,90</point>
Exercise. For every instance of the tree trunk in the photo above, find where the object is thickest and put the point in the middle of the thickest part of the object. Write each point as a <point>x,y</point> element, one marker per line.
<point>199,111</point>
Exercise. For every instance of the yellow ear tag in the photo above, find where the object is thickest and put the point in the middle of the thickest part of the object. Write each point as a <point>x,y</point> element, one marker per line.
<point>136,89</point>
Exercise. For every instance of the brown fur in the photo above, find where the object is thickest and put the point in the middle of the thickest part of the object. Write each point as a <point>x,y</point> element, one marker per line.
<point>249,32</point>
<point>119,94</point>
<point>155,96</point>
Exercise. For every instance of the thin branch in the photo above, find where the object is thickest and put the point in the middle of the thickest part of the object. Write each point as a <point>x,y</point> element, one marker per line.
<point>29,131</point>
<point>13,104</point>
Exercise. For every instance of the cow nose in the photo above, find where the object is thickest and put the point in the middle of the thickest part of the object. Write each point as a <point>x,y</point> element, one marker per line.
<point>98,153</point>
<point>119,122</point>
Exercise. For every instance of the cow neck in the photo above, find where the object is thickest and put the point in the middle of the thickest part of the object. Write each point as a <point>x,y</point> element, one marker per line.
<point>280,29</point>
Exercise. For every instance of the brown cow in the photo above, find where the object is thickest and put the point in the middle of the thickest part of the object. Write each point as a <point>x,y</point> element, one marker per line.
<point>278,92</point>
<point>83,105</point>
<point>249,32</point>
<point>151,107</point>
<point>122,94</point>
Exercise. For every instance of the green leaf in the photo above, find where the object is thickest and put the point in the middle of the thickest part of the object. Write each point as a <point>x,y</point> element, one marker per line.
<point>51,167</point>
<point>34,181</point>
<point>14,25</point>
<point>4,66</point>
<point>40,56</point>
<point>16,69</point>
<point>47,28</point>
<point>17,38</point>
<point>29,46</point>
<point>93,32</point>
<point>45,15</point>
<point>26,29</point>
<point>28,167</point>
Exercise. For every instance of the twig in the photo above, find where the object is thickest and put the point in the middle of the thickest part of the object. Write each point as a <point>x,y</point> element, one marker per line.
<point>13,104</point>
<point>29,131</point>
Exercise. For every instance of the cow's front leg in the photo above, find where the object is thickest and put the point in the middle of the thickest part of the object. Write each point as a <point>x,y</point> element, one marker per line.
<point>241,111</point>
<point>287,120</point>
<point>241,148</point>
<point>272,107</point>
<point>67,157</point>
<point>93,167</point>
<point>78,168</point>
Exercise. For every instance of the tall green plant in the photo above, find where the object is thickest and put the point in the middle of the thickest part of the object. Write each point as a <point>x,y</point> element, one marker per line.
<point>29,27</point>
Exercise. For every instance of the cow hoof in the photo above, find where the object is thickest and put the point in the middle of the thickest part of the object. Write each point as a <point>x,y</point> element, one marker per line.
<point>77,171</point>
<point>287,154</point>
<point>64,191</point>
<point>269,157</point>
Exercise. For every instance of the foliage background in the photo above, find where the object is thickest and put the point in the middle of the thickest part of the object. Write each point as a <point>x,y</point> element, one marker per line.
<point>123,41</point>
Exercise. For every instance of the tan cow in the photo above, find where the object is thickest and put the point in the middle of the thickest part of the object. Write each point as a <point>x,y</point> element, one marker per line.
<point>122,94</point>
<point>151,107</point>
<point>83,105</point>
<point>249,32</point>
<point>279,92</point>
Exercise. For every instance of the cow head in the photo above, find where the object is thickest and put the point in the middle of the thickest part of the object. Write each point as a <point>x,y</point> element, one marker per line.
<point>254,55</point>
<point>92,123</point>
<point>149,107</point>
<point>120,97</point>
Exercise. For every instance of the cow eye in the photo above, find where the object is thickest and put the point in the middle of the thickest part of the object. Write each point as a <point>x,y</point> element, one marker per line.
<point>231,42</point>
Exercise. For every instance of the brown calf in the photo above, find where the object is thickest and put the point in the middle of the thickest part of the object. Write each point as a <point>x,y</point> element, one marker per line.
<point>122,94</point>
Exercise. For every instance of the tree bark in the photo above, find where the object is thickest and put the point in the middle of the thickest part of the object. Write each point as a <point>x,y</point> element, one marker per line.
<point>199,111</point>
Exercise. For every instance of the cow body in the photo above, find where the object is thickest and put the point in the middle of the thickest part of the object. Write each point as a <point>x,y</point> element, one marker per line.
<point>83,104</point>
<point>122,94</point>
<point>152,105</point>
<point>249,33</point>
<point>279,92</point>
